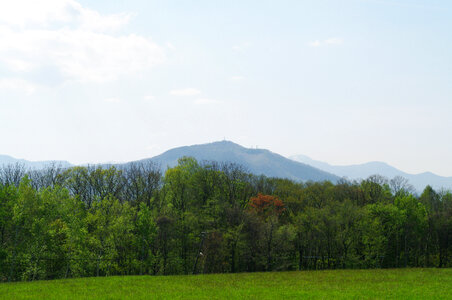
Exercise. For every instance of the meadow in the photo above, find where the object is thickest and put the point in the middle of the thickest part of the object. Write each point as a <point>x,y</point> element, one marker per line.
<point>362,284</point>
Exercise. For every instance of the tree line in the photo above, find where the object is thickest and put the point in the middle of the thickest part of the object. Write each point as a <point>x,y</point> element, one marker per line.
<point>210,217</point>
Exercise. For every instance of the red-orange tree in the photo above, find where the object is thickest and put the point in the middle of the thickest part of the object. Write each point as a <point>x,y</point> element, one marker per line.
<point>266,205</point>
<point>268,208</point>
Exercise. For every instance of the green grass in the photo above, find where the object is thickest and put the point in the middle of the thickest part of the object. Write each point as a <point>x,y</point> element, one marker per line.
<point>393,284</point>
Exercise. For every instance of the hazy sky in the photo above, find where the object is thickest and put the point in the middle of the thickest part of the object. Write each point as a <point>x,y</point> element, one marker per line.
<point>344,81</point>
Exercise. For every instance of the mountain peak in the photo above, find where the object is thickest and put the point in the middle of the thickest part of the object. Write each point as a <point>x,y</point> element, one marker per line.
<point>256,161</point>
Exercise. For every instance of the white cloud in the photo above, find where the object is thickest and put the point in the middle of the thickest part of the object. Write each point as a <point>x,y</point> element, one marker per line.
<point>237,78</point>
<point>149,98</point>
<point>334,41</point>
<point>316,43</point>
<point>113,100</point>
<point>206,101</point>
<point>78,43</point>
<point>185,92</point>
<point>45,13</point>
<point>327,42</point>
<point>170,46</point>
<point>22,12</point>
<point>17,84</point>
<point>241,47</point>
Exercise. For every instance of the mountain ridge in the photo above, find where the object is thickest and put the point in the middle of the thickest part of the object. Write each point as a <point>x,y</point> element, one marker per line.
<point>266,162</point>
<point>257,161</point>
<point>9,160</point>
<point>362,171</point>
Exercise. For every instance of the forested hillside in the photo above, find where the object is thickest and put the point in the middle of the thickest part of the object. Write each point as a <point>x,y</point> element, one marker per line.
<point>209,217</point>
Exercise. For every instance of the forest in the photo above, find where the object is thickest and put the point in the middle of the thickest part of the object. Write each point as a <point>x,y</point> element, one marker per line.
<point>211,217</point>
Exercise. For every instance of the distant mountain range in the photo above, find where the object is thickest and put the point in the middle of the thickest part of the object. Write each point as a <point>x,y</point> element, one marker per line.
<point>261,161</point>
<point>257,161</point>
<point>9,160</point>
<point>362,171</point>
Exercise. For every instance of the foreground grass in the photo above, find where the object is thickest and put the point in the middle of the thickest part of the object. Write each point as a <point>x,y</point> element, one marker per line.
<point>399,283</point>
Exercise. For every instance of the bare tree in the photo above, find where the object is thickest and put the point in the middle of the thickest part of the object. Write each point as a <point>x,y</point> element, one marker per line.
<point>378,179</point>
<point>106,181</point>
<point>235,173</point>
<point>400,185</point>
<point>12,174</point>
<point>49,176</point>
<point>76,180</point>
<point>142,179</point>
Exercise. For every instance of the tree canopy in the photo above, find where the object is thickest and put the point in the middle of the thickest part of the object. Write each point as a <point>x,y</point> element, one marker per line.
<point>211,217</point>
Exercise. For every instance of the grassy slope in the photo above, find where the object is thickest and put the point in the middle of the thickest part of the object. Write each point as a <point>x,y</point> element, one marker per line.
<point>401,283</point>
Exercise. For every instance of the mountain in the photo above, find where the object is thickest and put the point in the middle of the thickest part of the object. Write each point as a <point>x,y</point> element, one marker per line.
<point>362,171</point>
<point>8,160</point>
<point>257,161</point>
<point>261,161</point>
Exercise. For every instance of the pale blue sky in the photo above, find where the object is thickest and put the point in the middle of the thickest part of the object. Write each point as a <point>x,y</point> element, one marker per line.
<point>340,81</point>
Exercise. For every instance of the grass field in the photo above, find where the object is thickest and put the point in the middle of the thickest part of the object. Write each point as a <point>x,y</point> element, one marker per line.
<point>399,283</point>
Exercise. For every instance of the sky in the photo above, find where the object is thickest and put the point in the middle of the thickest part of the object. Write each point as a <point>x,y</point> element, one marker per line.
<point>344,82</point>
